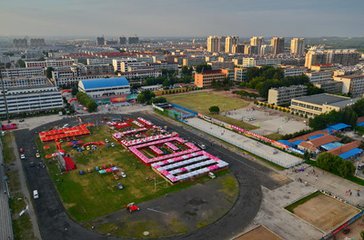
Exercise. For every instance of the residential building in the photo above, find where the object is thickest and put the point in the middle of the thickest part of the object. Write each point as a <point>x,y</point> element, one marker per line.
<point>22,72</point>
<point>317,77</point>
<point>31,100</point>
<point>320,103</point>
<point>122,40</point>
<point>49,63</point>
<point>237,48</point>
<point>133,40</point>
<point>251,50</point>
<point>291,71</point>
<point>330,86</point>
<point>256,42</point>
<point>37,42</point>
<point>230,41</point>
<point>265,50</point>
<point>216,65</point>
<point>193,61</point>
<point>352,84</point>
<point>323,67</point>
<point>92,61</point>
<point>344,57</point>
<point>277,44</point>
<point>25,81</point>
<point>283,95</point>
<point>121,65</point>
<point>104,87</point>
<point>253,62</point>
<point>206,78</point>
<point>20,43</point>
<point>100,41</point>
<point>297,47</point>
<point>213,44</point>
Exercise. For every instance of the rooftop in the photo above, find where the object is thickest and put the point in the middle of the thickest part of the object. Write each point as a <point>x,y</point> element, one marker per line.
<point>104,82</point>
<point>322,98</point>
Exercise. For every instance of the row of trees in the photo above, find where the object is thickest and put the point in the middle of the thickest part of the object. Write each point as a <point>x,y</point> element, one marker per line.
<point>348,115</point>
<point>148,97</point>
<point>87,101</point>
<point>262,79</point>
<point>335,164</point>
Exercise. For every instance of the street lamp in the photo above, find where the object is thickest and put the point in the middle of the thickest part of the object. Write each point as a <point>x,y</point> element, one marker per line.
<point>4,95</point>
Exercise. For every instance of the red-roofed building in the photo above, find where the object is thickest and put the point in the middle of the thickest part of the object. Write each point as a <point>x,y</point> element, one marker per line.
<point>205,78</point>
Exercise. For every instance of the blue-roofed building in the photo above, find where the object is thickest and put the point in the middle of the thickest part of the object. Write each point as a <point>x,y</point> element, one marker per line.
<point>104,87</point>
<point>338,127</point>
<point>351,153</point>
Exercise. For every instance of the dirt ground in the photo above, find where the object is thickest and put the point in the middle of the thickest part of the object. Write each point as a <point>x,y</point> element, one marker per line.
<point>325,212</point>
<point>259,233</point>
<point>355,230</point>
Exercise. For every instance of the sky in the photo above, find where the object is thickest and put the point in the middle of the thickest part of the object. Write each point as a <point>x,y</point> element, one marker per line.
<point>192,18</point>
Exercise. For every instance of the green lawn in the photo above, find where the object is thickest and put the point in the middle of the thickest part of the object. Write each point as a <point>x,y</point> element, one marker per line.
<point>92,195</point>
<point>202,101</point>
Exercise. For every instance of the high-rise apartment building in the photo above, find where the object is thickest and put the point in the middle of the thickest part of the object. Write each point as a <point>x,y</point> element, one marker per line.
<point>100,41</point>
<point>122,40</point>
<point>277,44</point>
<point>297,46</point>
<point>238,48</point>
<point>256,42</point>
<point>213,44</point>
<point>133,40</point>
<point>37,42</point>
<point>230,41</point>
<point>20,43</point>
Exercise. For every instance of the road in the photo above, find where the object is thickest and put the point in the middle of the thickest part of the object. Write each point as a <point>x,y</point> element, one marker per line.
<point>54,223</point>
<point>6,230</point>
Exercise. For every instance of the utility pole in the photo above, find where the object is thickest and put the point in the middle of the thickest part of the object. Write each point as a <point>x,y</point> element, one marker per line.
<point>4,95</point>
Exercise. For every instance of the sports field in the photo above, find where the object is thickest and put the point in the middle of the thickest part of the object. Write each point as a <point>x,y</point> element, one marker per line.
<point>324,212</point>
<point>202,101</point>
<point>259,233</point>
<point>93,195</point>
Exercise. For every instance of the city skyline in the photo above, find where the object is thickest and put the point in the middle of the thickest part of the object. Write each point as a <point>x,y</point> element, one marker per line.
<point>173,19</point>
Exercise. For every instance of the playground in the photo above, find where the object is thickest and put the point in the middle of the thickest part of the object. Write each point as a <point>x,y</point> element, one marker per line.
<point>202,101</point>
<point>323,212</point>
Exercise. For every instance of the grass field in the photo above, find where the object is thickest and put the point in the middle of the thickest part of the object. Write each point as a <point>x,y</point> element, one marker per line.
<point>202,101</point>
<point>322,211</point>
<point>93,195</point>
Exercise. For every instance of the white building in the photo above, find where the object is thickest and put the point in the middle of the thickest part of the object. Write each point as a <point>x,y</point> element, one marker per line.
<point>103,87</point>
<point>253,62</point>
<point>291,71</point>
<point>321,76</point>
<point>35,99</point>
<point>25,82</point>
<point>73,80</point>
<point>49,63</point>
<point>240,74</point>
<point>22,72</point>
<point>353,84</point>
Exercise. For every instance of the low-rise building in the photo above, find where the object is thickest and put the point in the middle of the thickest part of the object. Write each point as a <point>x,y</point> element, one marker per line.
<point>352,84</point>
<point>283,95</point>
<point>314,105</point>
<point>321,76</point>
<point>22,72</point>
<point>330,86</point>
<point>25,82</point>
<point>240,74</point>
<point>49,63</point>
<point>206,78</point>
<point>291,71</point>
<point>104,87</point>
<point>31,100</point>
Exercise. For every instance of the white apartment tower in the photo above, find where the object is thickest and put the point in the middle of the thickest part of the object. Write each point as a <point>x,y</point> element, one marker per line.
<point>297,46</point>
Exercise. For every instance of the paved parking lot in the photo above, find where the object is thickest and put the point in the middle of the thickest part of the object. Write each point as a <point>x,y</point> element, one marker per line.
<point>268,120</point>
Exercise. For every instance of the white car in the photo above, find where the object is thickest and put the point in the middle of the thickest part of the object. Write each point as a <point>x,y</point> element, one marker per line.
<point>123,174</point>
<point>22,156</point>
<point>37,155</point>
<point>35,194</point>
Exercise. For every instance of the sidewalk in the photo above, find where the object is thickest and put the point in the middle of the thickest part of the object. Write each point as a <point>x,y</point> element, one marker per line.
<point>6,229</point>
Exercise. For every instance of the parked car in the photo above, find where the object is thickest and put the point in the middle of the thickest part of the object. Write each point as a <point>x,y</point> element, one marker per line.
<point>112,144</point>
<point>202,146</point>
<point>22,156</point>
<point>35,194</point>
<point>123,174</point>
<point>211,175</point>
<point>37,155</point>
<point>131,207</point>
<point>21,120</point>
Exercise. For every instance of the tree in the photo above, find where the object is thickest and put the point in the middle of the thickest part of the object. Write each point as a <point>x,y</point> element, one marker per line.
<point>21,63</point>
<point>87,101</point>
<point>214,109</point>
<point>335,164</point>
<point>203,67</point>
<point>358,107</point>
<point>185,71</point>
<point>159,100</point>
<point>74,90</point>
<point>145,97</point>
<point>49,72</point>
<point>362,235</point>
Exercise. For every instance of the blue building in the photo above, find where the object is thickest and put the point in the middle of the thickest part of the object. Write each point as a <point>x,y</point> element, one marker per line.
<point>105,87</point>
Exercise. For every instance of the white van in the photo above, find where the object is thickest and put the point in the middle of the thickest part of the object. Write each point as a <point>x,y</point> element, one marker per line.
<point>35,194</point>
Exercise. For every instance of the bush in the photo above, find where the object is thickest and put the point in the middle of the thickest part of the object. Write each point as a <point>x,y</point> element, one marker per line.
<point>214,109</point>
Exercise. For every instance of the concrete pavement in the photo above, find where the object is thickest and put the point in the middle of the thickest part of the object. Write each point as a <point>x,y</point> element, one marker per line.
<point>6,229</point>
